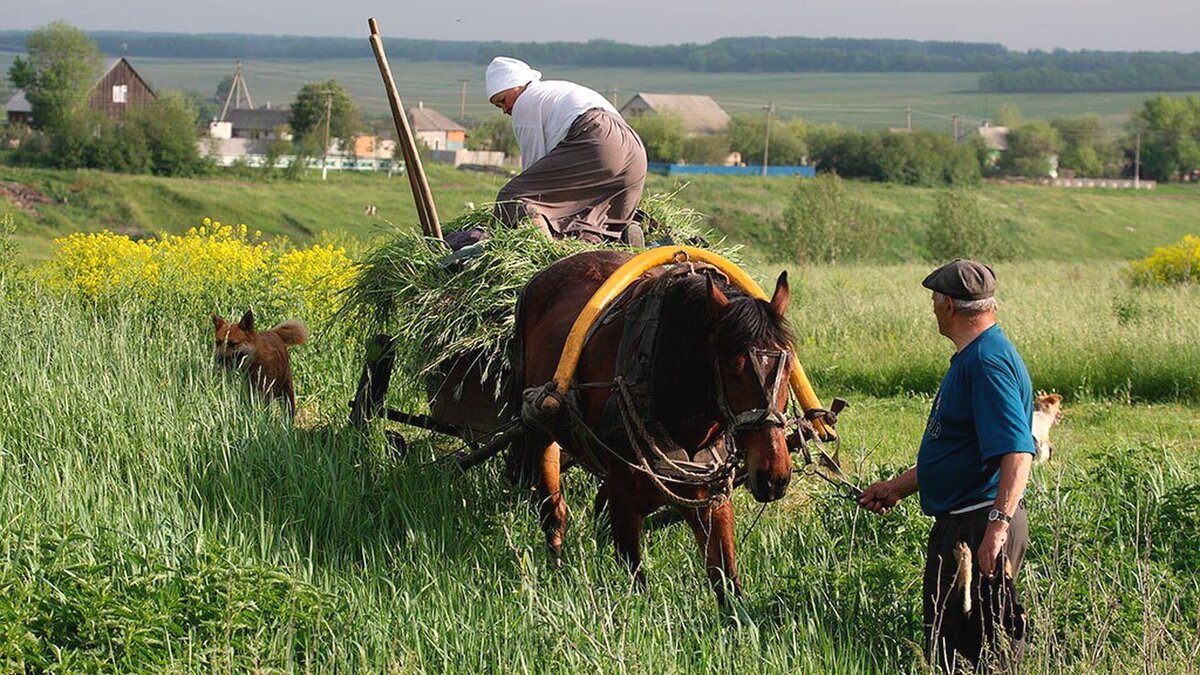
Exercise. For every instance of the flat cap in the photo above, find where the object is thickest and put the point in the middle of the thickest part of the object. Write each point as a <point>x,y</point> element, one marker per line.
<point>962,280</point>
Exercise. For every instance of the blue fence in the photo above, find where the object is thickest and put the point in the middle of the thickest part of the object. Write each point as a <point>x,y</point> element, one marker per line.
<point>693,169</point>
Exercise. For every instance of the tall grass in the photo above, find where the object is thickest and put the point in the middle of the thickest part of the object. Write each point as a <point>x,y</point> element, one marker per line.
<point>156,517</point>
<point>1081,329</point>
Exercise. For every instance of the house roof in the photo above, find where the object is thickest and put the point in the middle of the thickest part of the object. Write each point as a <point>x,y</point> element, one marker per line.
<point>258,119</point>
<point>116,62</point>
<point>700,113</point>
<point>18,103</point>
<point>994,138</point>
<point>428,119</point>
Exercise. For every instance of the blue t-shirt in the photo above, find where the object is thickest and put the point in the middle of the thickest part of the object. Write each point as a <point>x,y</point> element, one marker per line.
<point>983,410</point>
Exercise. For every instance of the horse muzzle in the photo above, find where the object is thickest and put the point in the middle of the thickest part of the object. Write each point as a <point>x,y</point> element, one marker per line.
<point>767,486</point>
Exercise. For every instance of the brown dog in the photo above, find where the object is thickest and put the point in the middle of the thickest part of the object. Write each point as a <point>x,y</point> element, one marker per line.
<point>264,355</point>
<point>1047,411</point>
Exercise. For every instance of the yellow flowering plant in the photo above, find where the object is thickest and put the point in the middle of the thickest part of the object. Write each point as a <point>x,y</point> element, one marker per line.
<point>1178,263</point>
<point>209,267</point>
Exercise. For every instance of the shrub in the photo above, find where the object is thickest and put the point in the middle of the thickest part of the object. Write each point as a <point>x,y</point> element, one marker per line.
<point>961,228</point>
<point>826,224</point>
<point>1178,263</point>
<point>662,134</point>
<point>706,148</point>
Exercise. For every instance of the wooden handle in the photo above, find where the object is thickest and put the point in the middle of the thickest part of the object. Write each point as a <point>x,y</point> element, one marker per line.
<point>422,196</point>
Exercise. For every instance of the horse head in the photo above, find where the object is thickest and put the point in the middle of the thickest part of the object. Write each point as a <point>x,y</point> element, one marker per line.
<point>752,345</point>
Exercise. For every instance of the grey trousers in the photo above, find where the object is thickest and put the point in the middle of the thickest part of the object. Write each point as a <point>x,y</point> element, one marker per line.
<point>588,186</point>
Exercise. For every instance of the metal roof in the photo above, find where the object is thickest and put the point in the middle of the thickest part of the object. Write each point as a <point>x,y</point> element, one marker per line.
<point>700,114</point>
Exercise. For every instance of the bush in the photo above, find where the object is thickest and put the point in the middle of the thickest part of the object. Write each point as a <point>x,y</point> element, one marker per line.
<point>662,134</point>
<point>961,228</point>
<point>706,149</point>
<point>747,135</point>
<point>1178,263</point>
<point>826,224</point>
<point>918,158</point>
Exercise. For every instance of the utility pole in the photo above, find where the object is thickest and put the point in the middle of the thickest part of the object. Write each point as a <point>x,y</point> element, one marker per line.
<point>325,149</point>
<point>908,118</point>
<point>462,100</point>
<point>612,95</point>
<point>767,140</point>
<point>1137,163</point>
<point>954,121</point>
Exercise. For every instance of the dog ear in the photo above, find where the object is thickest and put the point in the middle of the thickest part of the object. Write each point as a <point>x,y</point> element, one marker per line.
<point>779,301</point>
<point>247,322</point>
<point>217,320</point>
<point>1055,398</point>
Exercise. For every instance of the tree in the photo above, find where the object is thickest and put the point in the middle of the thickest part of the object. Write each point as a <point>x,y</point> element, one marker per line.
<point>1086,147</point>
<point>496,134</point>
<point>662,134</point>
<point>747,135</point>
<point>61,66</point>
<point>1170,130</point>
<point>706,148</point>
<point>1032,148</point>
<point>308,114</point>
<point>168,127</point>
<point>1008,115</point>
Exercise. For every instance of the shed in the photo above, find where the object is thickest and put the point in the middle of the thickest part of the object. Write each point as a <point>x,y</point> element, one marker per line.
<point>257,122</point>
<point>700,114</point>
<point>18,110</point>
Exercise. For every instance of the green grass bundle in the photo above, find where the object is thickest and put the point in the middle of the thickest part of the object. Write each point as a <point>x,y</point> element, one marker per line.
<point>437,311</point>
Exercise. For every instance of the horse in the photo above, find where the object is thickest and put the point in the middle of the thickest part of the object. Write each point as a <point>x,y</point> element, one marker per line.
<point>721,361</point>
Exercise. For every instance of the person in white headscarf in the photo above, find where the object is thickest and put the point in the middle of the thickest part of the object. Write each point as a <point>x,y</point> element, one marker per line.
<point>583,168</point>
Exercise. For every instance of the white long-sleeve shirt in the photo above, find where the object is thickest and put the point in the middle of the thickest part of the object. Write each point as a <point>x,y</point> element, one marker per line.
<point>544,113</point>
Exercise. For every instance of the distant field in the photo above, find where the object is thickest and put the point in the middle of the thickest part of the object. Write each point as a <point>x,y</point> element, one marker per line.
<point>869,100</point>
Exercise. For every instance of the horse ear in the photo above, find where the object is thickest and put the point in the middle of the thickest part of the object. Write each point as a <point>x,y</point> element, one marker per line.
<point>247,322</point>
<point>779,301</point>
<point>717,299</point>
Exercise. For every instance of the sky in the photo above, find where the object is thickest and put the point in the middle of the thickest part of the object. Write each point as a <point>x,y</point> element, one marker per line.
<point>1172,25</point>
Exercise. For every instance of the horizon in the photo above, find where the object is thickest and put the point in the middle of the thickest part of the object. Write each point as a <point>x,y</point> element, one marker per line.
<point>1074,25</point>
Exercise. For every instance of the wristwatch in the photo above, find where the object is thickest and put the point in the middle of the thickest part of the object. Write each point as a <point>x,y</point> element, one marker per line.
<point>997,514</point>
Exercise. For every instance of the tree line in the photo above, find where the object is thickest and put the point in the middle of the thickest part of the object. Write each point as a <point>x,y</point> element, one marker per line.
<point>1009,70</point>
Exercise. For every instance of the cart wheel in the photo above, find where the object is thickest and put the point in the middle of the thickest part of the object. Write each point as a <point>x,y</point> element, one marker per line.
<point>397,442</point>
<point>374,381</point>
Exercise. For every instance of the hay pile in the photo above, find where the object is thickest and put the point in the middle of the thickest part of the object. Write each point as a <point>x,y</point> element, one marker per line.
<point>435,311</point>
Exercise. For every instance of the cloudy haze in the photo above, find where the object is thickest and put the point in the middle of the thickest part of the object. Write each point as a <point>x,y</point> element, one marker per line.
<point>1021,24</point>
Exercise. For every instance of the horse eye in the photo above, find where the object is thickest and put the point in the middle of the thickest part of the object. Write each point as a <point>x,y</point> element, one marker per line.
<point>739,364</point>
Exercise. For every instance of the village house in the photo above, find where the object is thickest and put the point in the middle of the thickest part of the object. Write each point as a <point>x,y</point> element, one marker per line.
<point>438,131</point>
<point>117,91</point>
<point>700,114</point>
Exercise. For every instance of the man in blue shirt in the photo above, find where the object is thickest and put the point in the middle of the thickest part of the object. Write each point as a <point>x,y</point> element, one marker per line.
<point>971,472</point>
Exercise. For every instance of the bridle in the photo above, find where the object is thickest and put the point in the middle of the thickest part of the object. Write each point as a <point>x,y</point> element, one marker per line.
<point>770,370</point>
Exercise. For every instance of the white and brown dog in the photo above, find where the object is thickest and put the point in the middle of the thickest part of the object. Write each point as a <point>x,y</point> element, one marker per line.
<point>1047,411</point>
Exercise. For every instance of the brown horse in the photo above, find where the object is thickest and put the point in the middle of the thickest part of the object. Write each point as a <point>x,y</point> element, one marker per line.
<point>719,357</point>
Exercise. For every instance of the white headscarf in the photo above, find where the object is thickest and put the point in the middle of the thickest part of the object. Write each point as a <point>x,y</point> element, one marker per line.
<point>505,73</point>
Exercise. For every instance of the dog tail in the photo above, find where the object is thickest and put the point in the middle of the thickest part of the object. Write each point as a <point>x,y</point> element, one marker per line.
<point>962,579</point>
<point>292,332</point>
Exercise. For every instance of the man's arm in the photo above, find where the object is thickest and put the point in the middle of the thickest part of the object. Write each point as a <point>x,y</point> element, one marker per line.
<point>1014,474</point>
<point>882,496</point>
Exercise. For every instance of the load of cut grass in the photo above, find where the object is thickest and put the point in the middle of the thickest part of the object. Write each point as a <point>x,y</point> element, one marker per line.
<point>437,311</point>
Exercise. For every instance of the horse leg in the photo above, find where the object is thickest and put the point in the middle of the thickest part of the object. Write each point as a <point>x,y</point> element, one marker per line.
<point>626,521</point>
<point>713,527</point>
<point>553,506</point>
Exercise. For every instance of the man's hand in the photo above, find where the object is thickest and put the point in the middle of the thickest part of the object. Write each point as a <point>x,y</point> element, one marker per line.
<point>989,550</point>
<point>880,497</point>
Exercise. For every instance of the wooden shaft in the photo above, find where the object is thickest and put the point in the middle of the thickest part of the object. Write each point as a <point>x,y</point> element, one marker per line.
<point>426,210</point>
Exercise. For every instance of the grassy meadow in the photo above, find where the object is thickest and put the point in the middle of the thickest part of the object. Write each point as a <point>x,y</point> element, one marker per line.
<point>154,517</point>
<point>1049,224</point>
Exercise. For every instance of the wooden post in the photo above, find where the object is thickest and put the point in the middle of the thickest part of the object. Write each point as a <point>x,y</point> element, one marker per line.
<point>426,210</point>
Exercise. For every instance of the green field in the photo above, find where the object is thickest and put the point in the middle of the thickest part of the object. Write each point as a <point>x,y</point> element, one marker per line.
<point>153,518</point>
<point>1052,224</point>
<point>156,518</point>
<point>867,100</point>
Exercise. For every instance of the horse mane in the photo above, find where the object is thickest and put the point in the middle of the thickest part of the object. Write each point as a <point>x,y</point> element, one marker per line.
<point>690,342</point>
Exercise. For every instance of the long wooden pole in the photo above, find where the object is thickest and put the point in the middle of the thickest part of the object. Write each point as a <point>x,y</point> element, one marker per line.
<point>426,210</point>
